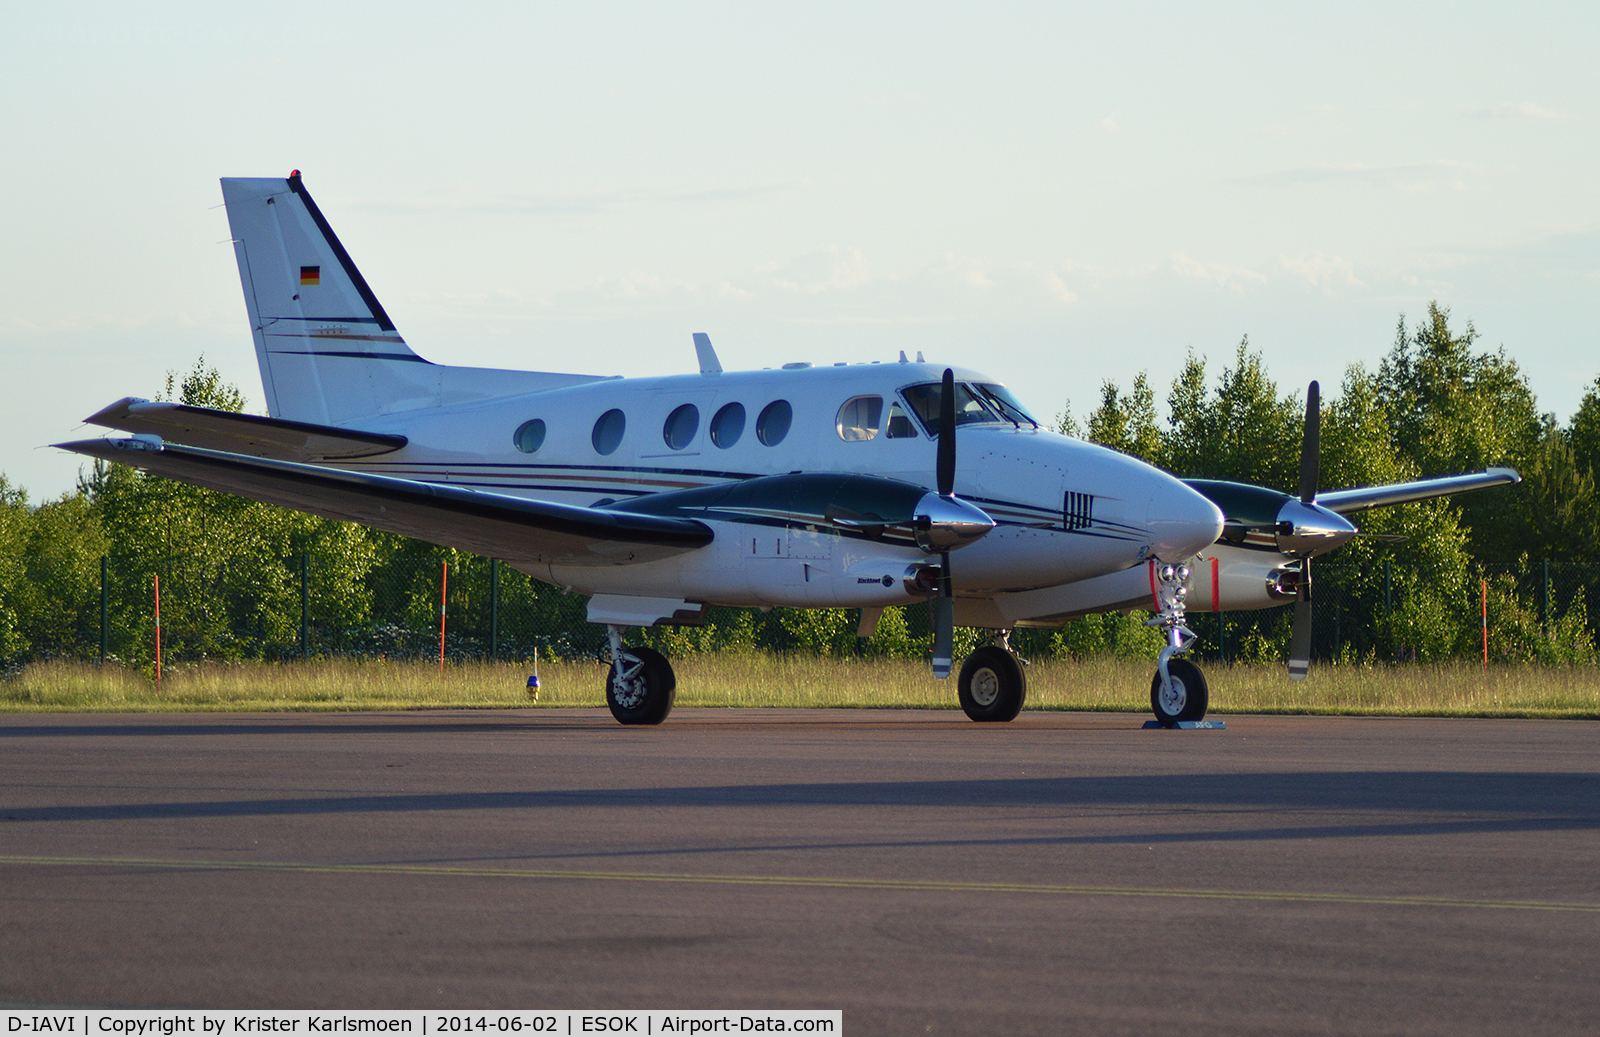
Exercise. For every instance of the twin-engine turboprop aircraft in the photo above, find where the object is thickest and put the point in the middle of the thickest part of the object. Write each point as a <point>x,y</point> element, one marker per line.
<point>803,486</point>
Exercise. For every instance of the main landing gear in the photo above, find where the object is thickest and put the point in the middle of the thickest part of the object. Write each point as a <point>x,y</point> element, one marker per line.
<point>640,686</point>
<point>993,686</point>
<point>1178,690</point>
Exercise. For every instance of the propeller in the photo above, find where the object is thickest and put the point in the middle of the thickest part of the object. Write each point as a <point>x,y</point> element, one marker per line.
<point>944,604</point>
<point>1310,458</point>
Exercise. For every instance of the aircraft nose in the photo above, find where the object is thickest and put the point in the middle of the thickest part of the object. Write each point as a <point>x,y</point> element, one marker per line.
<point>1181,522</point>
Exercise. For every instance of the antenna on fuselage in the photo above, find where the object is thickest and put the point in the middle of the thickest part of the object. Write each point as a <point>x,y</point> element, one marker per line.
<point>919,357</point>
<point>709,364</point>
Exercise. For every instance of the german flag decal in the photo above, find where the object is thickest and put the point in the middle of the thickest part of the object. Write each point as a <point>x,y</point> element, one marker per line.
<point>310,275</point>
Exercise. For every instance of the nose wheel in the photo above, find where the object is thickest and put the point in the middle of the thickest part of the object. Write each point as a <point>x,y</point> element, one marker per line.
<point>1184,695</point>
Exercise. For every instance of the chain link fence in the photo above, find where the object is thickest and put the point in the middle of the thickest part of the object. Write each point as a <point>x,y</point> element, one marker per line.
<point>317,606</point>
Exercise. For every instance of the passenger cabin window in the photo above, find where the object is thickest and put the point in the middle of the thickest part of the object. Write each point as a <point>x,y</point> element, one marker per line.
<point>858,418</point>
<point>900,426</point>
<point>529,436</point>
<point>608,429</point>
<point>728,425</point>
<point>681,426</point>
<point>924,403</point>
<point>773,423</point>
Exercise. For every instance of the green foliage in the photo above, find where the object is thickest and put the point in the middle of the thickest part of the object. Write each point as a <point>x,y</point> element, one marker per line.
<point>1518,636</point>
<point>1244,432</point>
<point>1128,422</point>
<point>1583,435</point>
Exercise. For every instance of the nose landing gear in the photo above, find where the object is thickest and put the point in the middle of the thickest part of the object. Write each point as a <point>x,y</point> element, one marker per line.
<point>1178,692</point>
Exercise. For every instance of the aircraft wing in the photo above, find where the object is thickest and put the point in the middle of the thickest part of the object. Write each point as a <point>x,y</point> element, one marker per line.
<point>1347,501</point>
<point>518,531</point>
<point>276,438</point>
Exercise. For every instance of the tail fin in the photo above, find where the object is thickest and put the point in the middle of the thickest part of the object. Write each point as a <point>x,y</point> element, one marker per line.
<point>329,354</point>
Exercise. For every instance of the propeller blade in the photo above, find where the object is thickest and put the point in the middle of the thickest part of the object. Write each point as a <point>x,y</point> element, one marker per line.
<point>1311,445</point>
<point>1300,641</point>
<point>946,470</point>
<point>942,611</point>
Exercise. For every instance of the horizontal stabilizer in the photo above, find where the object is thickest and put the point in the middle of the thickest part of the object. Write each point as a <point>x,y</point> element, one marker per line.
<point>1347,501</point>
<point>521,532</point>
<point>276,438</point>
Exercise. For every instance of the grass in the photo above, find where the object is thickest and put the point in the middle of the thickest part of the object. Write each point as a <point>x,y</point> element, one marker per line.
<point>757,680</point>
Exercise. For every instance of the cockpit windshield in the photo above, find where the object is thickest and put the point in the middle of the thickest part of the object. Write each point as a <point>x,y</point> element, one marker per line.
<point>924,403</point>
<point>1009,407</point>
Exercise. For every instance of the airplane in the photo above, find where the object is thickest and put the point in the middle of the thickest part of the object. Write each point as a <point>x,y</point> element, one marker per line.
<point>658,497</point>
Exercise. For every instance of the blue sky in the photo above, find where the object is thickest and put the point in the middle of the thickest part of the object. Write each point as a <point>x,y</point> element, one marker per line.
<point>1055,196</point>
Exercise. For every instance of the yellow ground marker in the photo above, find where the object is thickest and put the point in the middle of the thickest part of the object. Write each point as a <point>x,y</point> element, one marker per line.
<point>800,882</point>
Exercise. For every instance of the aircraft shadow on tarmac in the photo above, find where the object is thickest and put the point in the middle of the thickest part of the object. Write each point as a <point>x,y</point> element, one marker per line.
<point>1427,802</point>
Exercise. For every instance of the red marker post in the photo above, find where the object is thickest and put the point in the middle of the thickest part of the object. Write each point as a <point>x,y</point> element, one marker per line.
<point>1485,624</point>
<point>444,582</point>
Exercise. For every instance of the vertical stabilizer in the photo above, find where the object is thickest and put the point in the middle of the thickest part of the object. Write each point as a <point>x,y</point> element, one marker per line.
<point>328,351</point>
<point>329,354</point>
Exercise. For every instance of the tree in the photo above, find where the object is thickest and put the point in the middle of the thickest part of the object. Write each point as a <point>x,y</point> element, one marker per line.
<point>1128,423</point>
<point>1245,432</point>
<point>1583,435</point>
<point>1455,410</point>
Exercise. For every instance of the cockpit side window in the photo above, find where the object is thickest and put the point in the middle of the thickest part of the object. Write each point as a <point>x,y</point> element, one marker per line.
<point>1006,404</point>
<point>859,418</point>
<point>900,426</point>
<point>924,403</point>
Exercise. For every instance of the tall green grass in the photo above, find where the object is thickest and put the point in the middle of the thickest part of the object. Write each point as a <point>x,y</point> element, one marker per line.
<point>761,680</point>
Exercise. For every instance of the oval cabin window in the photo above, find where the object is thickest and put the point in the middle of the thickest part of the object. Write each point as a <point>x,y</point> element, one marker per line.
<point>681,426</point>
<point>728,425</point>
<point>529,436</point>
<point>608,429</point>
<point>773,424</point>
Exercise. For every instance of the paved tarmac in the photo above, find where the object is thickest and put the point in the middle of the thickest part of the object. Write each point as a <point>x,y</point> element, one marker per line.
<point>1065,873</point>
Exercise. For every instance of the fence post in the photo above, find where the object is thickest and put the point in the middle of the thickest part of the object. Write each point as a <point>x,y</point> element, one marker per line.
<point>1388,609</point>
<point>305,605</point>
<point>1544,603</point>
<point>494,609</point>
<point>104,610</point>
<point>157,578</point>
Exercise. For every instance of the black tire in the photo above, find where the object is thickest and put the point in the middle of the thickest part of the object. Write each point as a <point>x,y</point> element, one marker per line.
<point>649,698</point>
<point>1189,694</point>
<point>992,686</point>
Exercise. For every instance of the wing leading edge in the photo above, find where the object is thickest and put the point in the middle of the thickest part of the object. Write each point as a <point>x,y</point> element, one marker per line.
<point>1347,501</point>
<point>277,438</point>
<point>518,531</point>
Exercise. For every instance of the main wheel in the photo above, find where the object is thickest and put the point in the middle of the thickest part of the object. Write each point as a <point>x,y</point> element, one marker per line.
<point>1187,699</point>
<point>992,686</point>
<point>644,693</point>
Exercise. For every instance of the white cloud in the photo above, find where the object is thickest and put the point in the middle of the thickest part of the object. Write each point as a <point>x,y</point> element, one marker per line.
<point>1234,277</point>
<point>1109,123</point>
<point>1320,271</point>
<point>822,270</point>
<point>1058,288</point>
<point>1526,111</point>
<point>1413,177</point>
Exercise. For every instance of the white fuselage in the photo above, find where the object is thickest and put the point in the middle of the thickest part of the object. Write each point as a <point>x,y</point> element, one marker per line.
<point>1066,510</point>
